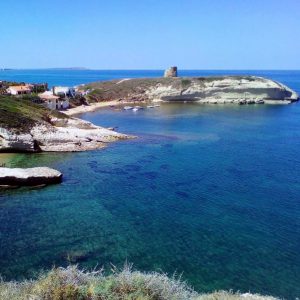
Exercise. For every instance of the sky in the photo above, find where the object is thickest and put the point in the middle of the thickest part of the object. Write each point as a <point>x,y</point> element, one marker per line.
<point>150,34</point>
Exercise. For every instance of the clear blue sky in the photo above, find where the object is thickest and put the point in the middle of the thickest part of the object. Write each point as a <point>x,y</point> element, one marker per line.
<point>145,34</point>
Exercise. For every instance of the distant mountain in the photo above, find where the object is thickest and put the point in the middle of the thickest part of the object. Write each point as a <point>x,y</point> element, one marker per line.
<point>70,68</point>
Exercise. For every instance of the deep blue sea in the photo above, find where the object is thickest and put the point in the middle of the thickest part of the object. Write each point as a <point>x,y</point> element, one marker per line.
<point>211,192</point>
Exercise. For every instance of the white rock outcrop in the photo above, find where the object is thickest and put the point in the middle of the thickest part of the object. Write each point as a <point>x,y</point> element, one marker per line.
<point>230,89</point>
<point>12,140</point>
<point>30,176</point>
<point>73,135</point>
<point>68,134</point>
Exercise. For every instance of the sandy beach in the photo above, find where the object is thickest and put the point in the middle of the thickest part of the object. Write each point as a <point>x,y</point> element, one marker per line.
<point>88,108</point>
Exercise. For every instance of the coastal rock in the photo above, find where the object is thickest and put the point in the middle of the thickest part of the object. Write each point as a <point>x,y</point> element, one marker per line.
<point>20,141</point>
<point>73,135</point>
<point>171,72</point>
<point>30,176</point>
<point>66,135</point>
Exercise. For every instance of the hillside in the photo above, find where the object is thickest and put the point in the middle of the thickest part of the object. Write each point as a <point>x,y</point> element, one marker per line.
<point>28,127</point>
<point>20,115</point>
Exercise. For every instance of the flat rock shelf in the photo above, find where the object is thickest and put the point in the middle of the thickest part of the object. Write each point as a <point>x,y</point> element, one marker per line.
<point>29,177</point>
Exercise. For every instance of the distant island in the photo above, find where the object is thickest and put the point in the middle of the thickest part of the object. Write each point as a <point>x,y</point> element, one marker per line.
<point>68,68</point>
<point>58,68</point>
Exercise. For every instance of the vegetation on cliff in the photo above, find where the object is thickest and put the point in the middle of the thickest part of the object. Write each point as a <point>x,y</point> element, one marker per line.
<point>21,115</point>
<point>73,284</point>
<point>134,89</point>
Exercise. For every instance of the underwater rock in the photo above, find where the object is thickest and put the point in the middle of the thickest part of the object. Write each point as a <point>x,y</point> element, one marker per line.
<point>76,256</point>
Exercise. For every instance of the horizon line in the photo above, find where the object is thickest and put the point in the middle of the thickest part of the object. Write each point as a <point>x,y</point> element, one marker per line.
<point>185,69</point>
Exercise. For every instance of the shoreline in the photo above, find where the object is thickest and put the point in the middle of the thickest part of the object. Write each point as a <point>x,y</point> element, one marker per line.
<point>89,108</point>
<point>95,106</point>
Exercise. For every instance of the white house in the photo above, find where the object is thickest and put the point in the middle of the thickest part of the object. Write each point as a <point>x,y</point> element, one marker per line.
<point>63,91</point>
<point>54,102</point>
<point>19,89</point>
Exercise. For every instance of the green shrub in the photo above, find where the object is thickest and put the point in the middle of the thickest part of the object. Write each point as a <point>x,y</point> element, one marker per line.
<point>185,82</point>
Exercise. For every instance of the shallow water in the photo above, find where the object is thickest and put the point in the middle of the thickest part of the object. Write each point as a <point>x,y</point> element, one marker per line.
<point>210,191</point>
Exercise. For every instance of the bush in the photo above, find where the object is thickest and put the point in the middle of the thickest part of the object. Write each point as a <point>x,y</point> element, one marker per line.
<point>73,284</point>
<point>185,82</point>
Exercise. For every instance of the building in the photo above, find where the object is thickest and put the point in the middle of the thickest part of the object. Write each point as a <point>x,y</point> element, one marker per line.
<point>171,72</point>
<point>54,102</point>
<point>82,93</point>
<point>19,89</point>
<point>63,91</point>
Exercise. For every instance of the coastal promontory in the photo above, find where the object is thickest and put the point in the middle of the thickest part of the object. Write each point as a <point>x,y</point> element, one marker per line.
<point>214,90</point>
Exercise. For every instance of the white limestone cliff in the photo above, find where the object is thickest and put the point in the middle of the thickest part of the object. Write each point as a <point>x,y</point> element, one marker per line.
<point>223,90</point>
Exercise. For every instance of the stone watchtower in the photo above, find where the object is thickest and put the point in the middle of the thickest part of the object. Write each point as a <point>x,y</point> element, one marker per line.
<point>171,72</point>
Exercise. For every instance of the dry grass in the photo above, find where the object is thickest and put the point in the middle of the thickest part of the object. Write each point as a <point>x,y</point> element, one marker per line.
<point>21,115</point>
<point>74,284</point>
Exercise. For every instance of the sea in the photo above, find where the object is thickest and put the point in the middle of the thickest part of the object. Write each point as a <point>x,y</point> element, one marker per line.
<point>210,193</point>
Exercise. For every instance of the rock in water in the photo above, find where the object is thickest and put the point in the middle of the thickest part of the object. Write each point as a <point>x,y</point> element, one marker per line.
<point>30,176</point>
<point>171,72</point>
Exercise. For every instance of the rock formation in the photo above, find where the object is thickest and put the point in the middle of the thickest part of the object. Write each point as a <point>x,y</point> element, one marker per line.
<point>31,176</point>
<point>68,134</point>
<point>171,72</point>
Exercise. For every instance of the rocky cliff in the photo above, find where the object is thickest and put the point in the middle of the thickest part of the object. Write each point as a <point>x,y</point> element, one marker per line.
<point>224,89</point>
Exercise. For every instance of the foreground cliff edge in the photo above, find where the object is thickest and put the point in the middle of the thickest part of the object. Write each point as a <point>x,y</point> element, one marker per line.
<point>27,127</point>
<point>72,283</point>
<point>214,90</point>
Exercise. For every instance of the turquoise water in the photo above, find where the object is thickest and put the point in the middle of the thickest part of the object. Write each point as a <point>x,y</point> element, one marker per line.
<point>211,192</point>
